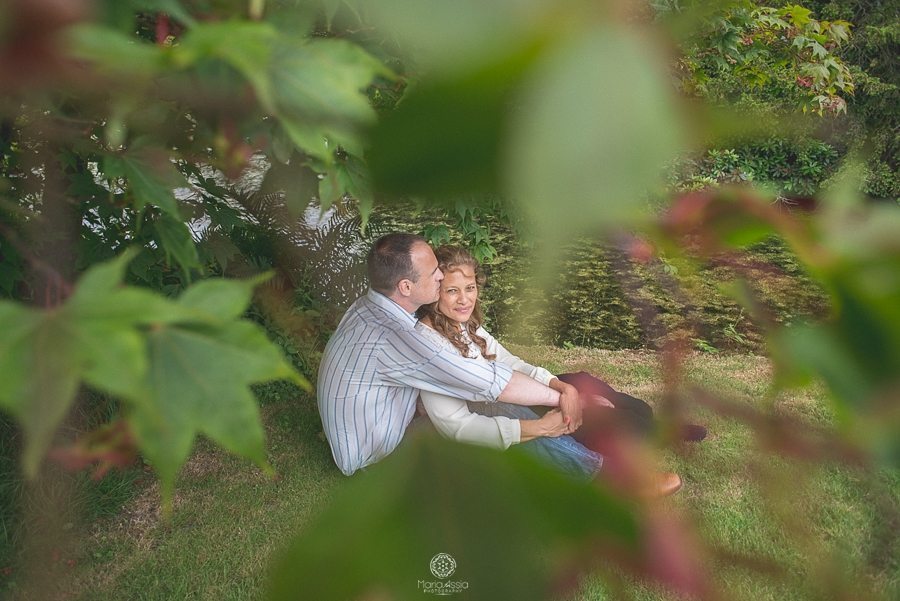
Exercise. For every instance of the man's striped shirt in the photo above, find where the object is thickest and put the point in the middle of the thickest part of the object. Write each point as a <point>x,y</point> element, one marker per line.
<point>370,375</point>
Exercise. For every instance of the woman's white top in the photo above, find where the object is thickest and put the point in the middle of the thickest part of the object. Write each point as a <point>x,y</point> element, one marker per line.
<point>453,418</point>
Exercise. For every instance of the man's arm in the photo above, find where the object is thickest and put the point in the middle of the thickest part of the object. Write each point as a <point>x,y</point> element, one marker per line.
<point>568,396</point>
<point>523,390</point>
<point>569,402</point>
<point>413,359</point>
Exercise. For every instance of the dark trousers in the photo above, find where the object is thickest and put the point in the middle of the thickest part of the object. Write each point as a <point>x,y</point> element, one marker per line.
<point>630,412</point>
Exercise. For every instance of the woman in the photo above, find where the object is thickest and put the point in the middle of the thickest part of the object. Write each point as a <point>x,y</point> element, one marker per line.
<point>455,320</point>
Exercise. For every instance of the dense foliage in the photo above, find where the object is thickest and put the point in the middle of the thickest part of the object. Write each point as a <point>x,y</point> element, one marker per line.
<point>828,57</point>
<point>874,124</point>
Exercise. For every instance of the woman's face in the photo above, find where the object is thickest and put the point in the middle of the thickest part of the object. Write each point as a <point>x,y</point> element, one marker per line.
<point>459,291</point>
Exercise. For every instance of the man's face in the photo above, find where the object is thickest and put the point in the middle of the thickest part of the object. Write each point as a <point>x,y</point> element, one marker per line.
<point>428,287</point>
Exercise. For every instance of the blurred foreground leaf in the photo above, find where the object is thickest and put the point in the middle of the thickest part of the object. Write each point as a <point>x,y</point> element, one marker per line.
<point>325,80</point>
<point>183,367</point>
<point>595,130</point>
<point>494,513</point>
<point>245,46</point>
<point>113,52</point>
<point>452,36</point>
<point>446,136</point>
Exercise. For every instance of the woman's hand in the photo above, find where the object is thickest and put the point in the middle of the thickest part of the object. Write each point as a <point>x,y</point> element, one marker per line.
<point>550,425</point>
<point>553,424</point>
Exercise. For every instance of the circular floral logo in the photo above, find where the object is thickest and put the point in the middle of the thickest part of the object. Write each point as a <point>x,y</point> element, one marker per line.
<point>443,565</point>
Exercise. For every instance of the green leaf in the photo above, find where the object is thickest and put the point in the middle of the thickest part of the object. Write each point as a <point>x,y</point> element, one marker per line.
<point>330,189</point>
<point>331,7</point>
<point>468,121</point>
<point>839,31</point>
<point>798,15</point>
<point>446,137</point>
<point>178,243</point>
<point>113,52</point>
<point>44,355</point>
<point>804,352</point>
<point>326,81</point>
<point>310,138</point>
<point>297,182</point>
<point>182,367</point>
<point>140,307</point>
<point>354,180</point>
<point>219,248</point>
<point>819,72</point>
<point>151,177</point>
<point>105,317</point>
<point>104,278</point>
<point>17,325</point>
<point>115,360</point>
<point>493,512</point>
<point>198,382</point>
<point>246,46</point>
<point>39,373</point>
<point>452,37</point>
<point>296,19</point>
<point>222,299</point>
<point>593,134</point>
<point>818,50</point>
<point>347,177</point>
<point>437,234</point>
<point>54,366</point>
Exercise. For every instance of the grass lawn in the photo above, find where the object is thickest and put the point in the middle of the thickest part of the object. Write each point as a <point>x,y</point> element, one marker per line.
<point>776,529</point>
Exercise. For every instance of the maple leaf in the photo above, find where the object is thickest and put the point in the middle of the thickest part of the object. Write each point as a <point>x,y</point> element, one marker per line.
<point>181,367</point>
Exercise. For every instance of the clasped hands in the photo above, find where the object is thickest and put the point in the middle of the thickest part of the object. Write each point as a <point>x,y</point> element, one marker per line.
<point>568,417</point>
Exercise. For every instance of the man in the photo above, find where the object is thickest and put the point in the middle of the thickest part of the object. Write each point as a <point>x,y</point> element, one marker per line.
<point>375,363</point>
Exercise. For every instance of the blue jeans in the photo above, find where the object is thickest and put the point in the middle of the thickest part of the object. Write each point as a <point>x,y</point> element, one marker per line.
<point>564,452</point>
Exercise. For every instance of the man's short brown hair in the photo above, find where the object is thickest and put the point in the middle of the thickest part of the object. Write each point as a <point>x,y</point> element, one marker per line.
<point>390,260</point>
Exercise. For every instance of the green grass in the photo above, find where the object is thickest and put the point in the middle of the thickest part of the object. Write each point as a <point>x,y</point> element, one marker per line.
<point>822,524</point>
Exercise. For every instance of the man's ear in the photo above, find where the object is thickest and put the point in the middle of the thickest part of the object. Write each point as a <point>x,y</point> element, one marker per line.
<point>404,287</point>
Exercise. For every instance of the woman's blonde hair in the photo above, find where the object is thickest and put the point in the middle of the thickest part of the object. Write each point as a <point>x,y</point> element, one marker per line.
<point>454,258</point>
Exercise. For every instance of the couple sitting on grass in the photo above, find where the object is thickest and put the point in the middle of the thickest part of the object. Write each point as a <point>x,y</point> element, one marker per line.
<point>417,334</point>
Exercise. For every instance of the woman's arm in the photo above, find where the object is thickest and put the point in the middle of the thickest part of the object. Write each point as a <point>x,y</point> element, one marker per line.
<point>452,418</point>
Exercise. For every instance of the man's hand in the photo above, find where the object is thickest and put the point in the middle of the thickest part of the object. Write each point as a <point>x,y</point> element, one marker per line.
<point>569,403</point>
<point>522,390</point>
